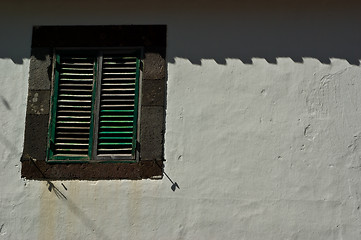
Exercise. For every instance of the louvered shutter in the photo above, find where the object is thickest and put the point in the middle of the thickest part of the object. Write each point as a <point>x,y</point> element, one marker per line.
<point>73,101</point>
<point>117,128</point>
<point>95,107</point>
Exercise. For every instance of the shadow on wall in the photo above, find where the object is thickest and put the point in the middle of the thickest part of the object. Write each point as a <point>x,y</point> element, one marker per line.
<point>319,33</point>
<point>5,103</point>
<point>295,35</point>
<point>72,207</point>
<point>78,212</point>
<point>244,37</point>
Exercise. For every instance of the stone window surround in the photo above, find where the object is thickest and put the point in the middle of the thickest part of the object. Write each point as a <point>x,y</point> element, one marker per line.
<point>152,118</point>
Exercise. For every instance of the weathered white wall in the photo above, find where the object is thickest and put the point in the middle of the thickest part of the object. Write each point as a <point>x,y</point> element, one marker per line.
<point>263,132</point>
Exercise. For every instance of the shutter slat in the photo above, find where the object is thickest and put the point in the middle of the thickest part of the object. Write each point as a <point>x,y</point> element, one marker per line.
<point>119,73</point>
<point>113,132</point>
<point>118,68</point>
<point>72,122</point>
<point>116,116</point>
<point>76,80</point>
<point>72,133</point>
<point>114,111</point>
<point>74,117</point>
<point>78,69</point>
<point>75,90</point>
<point>115,143</point>
<point>115,138</point>
<point>114,127</point>
<point>85,150</point>
<point>75,101</point>
<point>75,128</point>
<point>118,95</point>
<point>73,95</point>
<point>117,79</point>
<point>75,85</point>
<point>114,149</point>
<point>72,144</point>
<point>74,111</point>
<point>73,106</point>
<point>73,139</point>
<point>76,64</point>
<point>120,60</point>
<point>125,105</point>
<point>112,121</point>
<point>76,74</point>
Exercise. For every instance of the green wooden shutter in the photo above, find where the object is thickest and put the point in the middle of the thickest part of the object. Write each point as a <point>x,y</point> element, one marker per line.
<point>73,100</point>
<point>94,94</point>
<point>118,109</point>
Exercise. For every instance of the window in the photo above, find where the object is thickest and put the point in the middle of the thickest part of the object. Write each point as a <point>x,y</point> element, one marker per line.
<point>96,103</point>
<point>94,106</point>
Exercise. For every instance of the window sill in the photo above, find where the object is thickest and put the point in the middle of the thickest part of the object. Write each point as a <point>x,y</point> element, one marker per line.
<point>40,170</point>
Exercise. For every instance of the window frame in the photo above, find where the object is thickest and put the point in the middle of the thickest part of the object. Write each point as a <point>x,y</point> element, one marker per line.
<point>153,39</point>
<point>92,156</point>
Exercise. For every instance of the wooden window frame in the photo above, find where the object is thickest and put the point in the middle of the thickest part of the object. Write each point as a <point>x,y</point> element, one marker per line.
<point>152,38</point>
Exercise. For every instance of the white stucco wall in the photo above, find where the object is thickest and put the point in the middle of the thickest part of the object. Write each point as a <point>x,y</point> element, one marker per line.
<point>263,132</point>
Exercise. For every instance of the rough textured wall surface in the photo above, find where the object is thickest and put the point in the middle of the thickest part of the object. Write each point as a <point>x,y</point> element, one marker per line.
<point>263,134</point>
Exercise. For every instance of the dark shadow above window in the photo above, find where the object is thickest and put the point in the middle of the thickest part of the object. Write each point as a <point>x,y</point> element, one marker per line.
<point>149,159</point>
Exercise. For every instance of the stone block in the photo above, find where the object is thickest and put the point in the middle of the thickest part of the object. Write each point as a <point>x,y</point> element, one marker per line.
<point>151,133</point>
<point>153,93</point>
<point>36,134</point>
<point>154,66</point>
<point>40,69</point>
<point>38,102</point>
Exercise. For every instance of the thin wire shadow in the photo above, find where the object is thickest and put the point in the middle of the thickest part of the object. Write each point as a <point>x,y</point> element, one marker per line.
<point>51,186</point>
<point>58,193</point>
<point>174,184</point>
